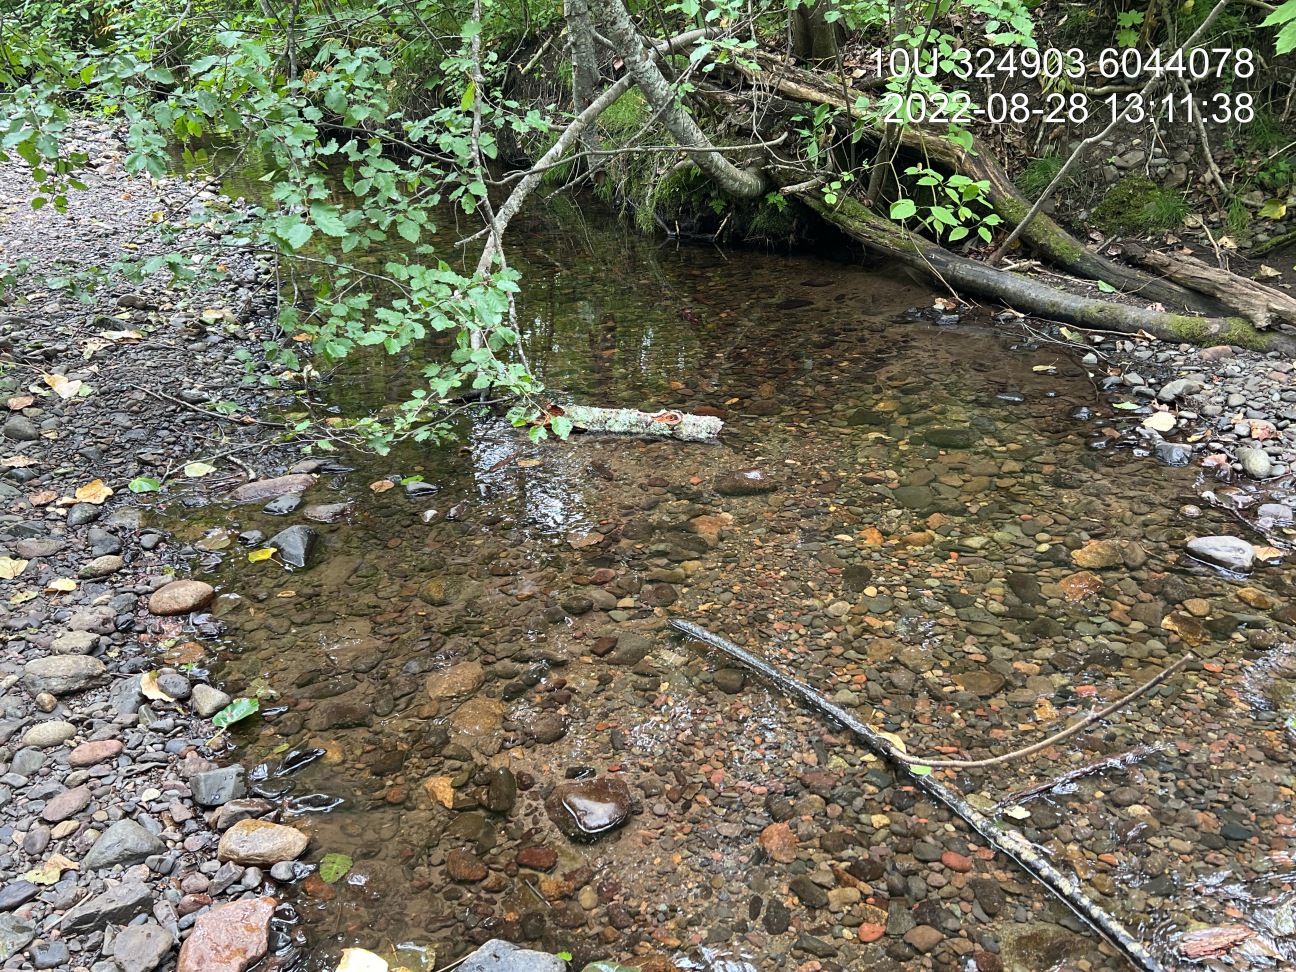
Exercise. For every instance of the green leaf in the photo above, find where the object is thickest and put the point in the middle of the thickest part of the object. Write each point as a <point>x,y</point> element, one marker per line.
<point>916,770</point>
<point>903,209</point>
<point>143,484</point>
<point>1126,406</point>
<point>408,229</point>
<point>196,470</point>
<point>469,96</point>
<point>327,219</point>
<point>236,711</point>
<point>334,867</point>
<point>297,236</point>
<point>1105,287</point>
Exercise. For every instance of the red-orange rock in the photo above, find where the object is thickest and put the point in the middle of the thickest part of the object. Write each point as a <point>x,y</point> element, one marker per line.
<point>778,841</point>
<point>869,932</point>
<point>956,862</point>
<point>231,938</point>
<point>87,754</point>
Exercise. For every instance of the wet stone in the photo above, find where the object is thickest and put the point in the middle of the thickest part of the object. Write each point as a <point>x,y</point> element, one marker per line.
<point>501,956</point>
<point>537,858</point>
<point>1231,553</point>
<point>181,597</point>
<point>283,505</point>
<point>944,438</point>
<point>590,808</point>
<point>744,482</point>
<point>213,788</point>
<point>809,893</point>
<point>465,866</point>
<point>295,544</point>
<point>231,938</point>
<point>264,490</point>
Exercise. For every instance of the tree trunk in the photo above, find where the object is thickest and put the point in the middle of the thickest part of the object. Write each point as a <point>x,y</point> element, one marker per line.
<point>585,72</point>
<point>1027,295</point>
<point>657,91</point>
<point>814,39</point>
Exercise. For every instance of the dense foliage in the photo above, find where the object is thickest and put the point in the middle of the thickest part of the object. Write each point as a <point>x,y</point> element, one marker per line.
<point>374,120</point>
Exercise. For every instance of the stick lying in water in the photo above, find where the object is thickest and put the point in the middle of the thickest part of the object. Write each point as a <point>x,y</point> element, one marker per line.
<point>676,425</point>
<point>1009,842</point>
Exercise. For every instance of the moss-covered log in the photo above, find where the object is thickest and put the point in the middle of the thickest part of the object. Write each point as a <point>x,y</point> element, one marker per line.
<point>1044,236</point>
<point>1029,296</point>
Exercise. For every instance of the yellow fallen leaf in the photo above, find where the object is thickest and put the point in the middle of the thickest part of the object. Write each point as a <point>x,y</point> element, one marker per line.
<point>361,960</point>
<point>149,686</point>
<point>382,485</point>
<point>1267,553</point>
<point>286,594</point>
<point>11,568</point>
<point>1159,422</point>
<point>51,870</point>
<point>93,492</point>
<point>23,596</point>
<point>265,553</point>
<point>122,335</point>
<point>63,386</point>
<point>64,585</point>
<point>1045,711</point>
<point>527,463</point>
<point>17,462</point>
<point>893,739</point>
<point>196,470</point>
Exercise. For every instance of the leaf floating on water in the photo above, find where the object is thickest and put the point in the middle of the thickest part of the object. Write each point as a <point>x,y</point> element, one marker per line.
<point>265,553</point>
<point>236,711</point>
<point>94,492</point>
<point>196,470</point>
<point>11,568</point>
<point>382,485</point>
<point>1017,813</point>
<point>51,870</point>
<point>528,463</point>
<point>1160,422</point>
<point>334,867</point>
<point>359,959</point>
<point>149,686</point>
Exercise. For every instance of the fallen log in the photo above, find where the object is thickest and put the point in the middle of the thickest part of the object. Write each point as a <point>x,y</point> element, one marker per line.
<point>1064,886</point>
<point>675,425</point>
<point>1043,235</point>
<point>1028,295</point>
<point>1253,300</point>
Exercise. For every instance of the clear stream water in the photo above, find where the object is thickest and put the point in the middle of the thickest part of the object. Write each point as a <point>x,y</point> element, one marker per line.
<point>960,626</point>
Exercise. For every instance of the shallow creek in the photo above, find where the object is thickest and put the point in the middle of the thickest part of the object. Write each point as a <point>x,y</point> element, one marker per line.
<point>913,560</point>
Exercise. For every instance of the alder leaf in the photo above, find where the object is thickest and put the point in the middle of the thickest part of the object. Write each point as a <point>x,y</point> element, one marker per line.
<point>63,386</point>
<point>264,553</point>
<point>11,568</point>
<point>94,492</point>
<point>149,686</point>
<point>143,484</point>
<point>334,867</point>
<point>64,585</point>
<point>196,470</point>
<point>382,485</point>
<point>1160,422</point>
<point>236,711</point>
<point>19,402</point>
<point>51,871</point>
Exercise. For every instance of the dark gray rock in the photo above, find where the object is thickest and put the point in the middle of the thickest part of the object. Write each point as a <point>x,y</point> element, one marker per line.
<point>295,544</point>
<point>590,808</point>
<point>17,893</point>
<point>19,428</point>
<point>15,935</point>
<point>215,788</point>
<point>82,513</point>
<point>125,842</point>
<point>283,505</point>
<point>950,438</point>
<point>116,906</point>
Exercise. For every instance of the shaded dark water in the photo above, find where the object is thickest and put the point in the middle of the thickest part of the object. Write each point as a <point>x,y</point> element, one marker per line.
<point>928,584</point>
